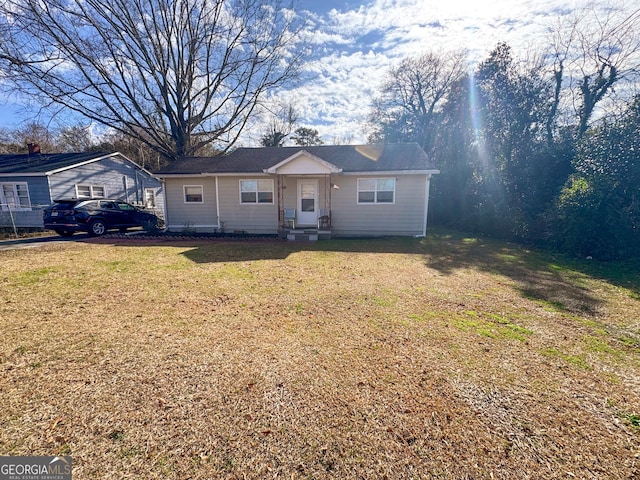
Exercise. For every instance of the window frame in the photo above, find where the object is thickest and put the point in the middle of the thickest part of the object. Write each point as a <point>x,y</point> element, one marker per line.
<point>17,205</point>
<point>375,191</point>
<point>92,191</point>
<point>185,197</point>
<point>257,191</point>
<point>150,197</point>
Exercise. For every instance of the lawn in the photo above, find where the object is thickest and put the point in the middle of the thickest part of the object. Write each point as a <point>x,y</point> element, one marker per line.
<point>444,357</point>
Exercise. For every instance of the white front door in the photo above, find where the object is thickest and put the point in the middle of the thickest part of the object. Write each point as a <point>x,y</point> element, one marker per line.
<point>307,202</point>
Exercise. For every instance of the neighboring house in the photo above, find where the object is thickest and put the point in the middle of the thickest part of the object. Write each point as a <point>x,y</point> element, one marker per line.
<point>342,190</point>
<point>29,182</point>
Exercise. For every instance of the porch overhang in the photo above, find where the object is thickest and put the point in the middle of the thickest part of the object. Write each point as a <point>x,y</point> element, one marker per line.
<point>303,163</point>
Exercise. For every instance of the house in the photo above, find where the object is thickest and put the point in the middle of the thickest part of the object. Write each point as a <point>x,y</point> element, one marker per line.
<point>29,182</point>
<point>338,190</point>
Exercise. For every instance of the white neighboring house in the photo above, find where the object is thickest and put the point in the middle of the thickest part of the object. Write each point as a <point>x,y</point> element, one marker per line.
<point>337,190</point>
<point>29,182</point>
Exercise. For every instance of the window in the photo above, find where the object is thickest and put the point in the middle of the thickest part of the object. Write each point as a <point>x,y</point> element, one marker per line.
<point>150,197</point>
<point>376,190</point>
<point>14,196</point>
<point>90,191</point>
<point>256,191</point>
<point>193,194</point>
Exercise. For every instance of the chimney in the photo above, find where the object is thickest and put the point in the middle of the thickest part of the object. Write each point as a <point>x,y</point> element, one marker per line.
<point>34,148</point>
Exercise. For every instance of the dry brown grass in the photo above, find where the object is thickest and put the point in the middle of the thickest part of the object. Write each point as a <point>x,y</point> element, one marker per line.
<point>437,358</point>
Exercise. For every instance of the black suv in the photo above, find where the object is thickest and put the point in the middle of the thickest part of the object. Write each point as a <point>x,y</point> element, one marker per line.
<point>67,216</point>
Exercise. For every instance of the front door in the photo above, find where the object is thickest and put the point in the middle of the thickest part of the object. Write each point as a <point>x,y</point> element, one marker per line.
<point>307,202</point>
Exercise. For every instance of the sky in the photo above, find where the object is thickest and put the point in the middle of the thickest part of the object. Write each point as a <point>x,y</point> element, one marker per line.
<point>355,43</point>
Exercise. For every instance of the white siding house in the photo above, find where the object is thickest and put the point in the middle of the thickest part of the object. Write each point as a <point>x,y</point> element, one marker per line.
<point>343,190</point>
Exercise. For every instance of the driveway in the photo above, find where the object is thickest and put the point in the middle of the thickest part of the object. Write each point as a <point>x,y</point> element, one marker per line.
<point>35,242</point>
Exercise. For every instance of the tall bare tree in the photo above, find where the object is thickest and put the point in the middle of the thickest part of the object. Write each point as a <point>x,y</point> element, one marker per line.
<point>76,138</point>
<point>593,50</point>
<point>412,95</point>
<point>37,134</point>
<point>176,75</point>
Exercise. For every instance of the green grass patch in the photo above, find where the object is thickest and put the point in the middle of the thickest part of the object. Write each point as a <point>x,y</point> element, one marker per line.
<point>599,345</point>
<point>35,276</point>
<point>430,316</point>
<point>630,340</point>
<point>491,325</point>
<point>632,419</point>
<point>235,271</point>
<point>575,360</point>
<point>118,266</point>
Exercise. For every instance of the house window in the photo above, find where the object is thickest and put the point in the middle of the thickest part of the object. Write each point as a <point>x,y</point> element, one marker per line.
<point>376,190</point>
<point>256,191</point>
<point>193,194</point>
<point>150,198</point>
<point>14,196</point>
<point>90,191</point>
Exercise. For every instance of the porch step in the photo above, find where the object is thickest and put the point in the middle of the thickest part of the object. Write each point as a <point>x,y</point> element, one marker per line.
<point>308,235</point>
<point>302,237</point>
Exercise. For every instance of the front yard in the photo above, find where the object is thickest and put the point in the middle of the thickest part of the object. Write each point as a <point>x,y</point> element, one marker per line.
<point>445,357</point>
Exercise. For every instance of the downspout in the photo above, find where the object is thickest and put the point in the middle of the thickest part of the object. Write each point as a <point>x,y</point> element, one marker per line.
<point>280,201</point>
<point>49,190</point>
<point>426,204</point>
<point>330,187</point>
<point>137,186</point>
<point>166,204</point>
<point>126,188</point>
<point>217,203</point>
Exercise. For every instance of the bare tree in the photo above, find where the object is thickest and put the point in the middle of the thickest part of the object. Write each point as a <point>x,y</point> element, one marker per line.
<point>76,138</point>
<point>176,75</point>
<point>412,95</point>
<point>7,143</point>
<point>36,134</point>
<point>280,126</point>
<point>593,51</point>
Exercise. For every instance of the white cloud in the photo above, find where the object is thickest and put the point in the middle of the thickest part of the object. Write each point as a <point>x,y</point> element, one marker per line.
<point>355,47</point>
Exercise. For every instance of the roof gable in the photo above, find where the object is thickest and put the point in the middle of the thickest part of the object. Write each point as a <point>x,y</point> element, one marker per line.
<point>303,163</point>
<point>44,164</point>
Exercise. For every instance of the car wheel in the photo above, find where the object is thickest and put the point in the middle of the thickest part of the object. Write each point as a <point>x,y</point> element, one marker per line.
<point>150,226</point>
<point>64,233</point>
<point>97,228</point>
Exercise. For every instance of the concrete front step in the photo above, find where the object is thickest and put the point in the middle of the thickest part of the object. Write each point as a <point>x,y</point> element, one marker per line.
<point>308,235</point>
<point>303,237</point>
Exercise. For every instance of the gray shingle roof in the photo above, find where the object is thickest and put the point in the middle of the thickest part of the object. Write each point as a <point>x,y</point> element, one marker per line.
<point>42,163</point>
<point>350,158</point>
